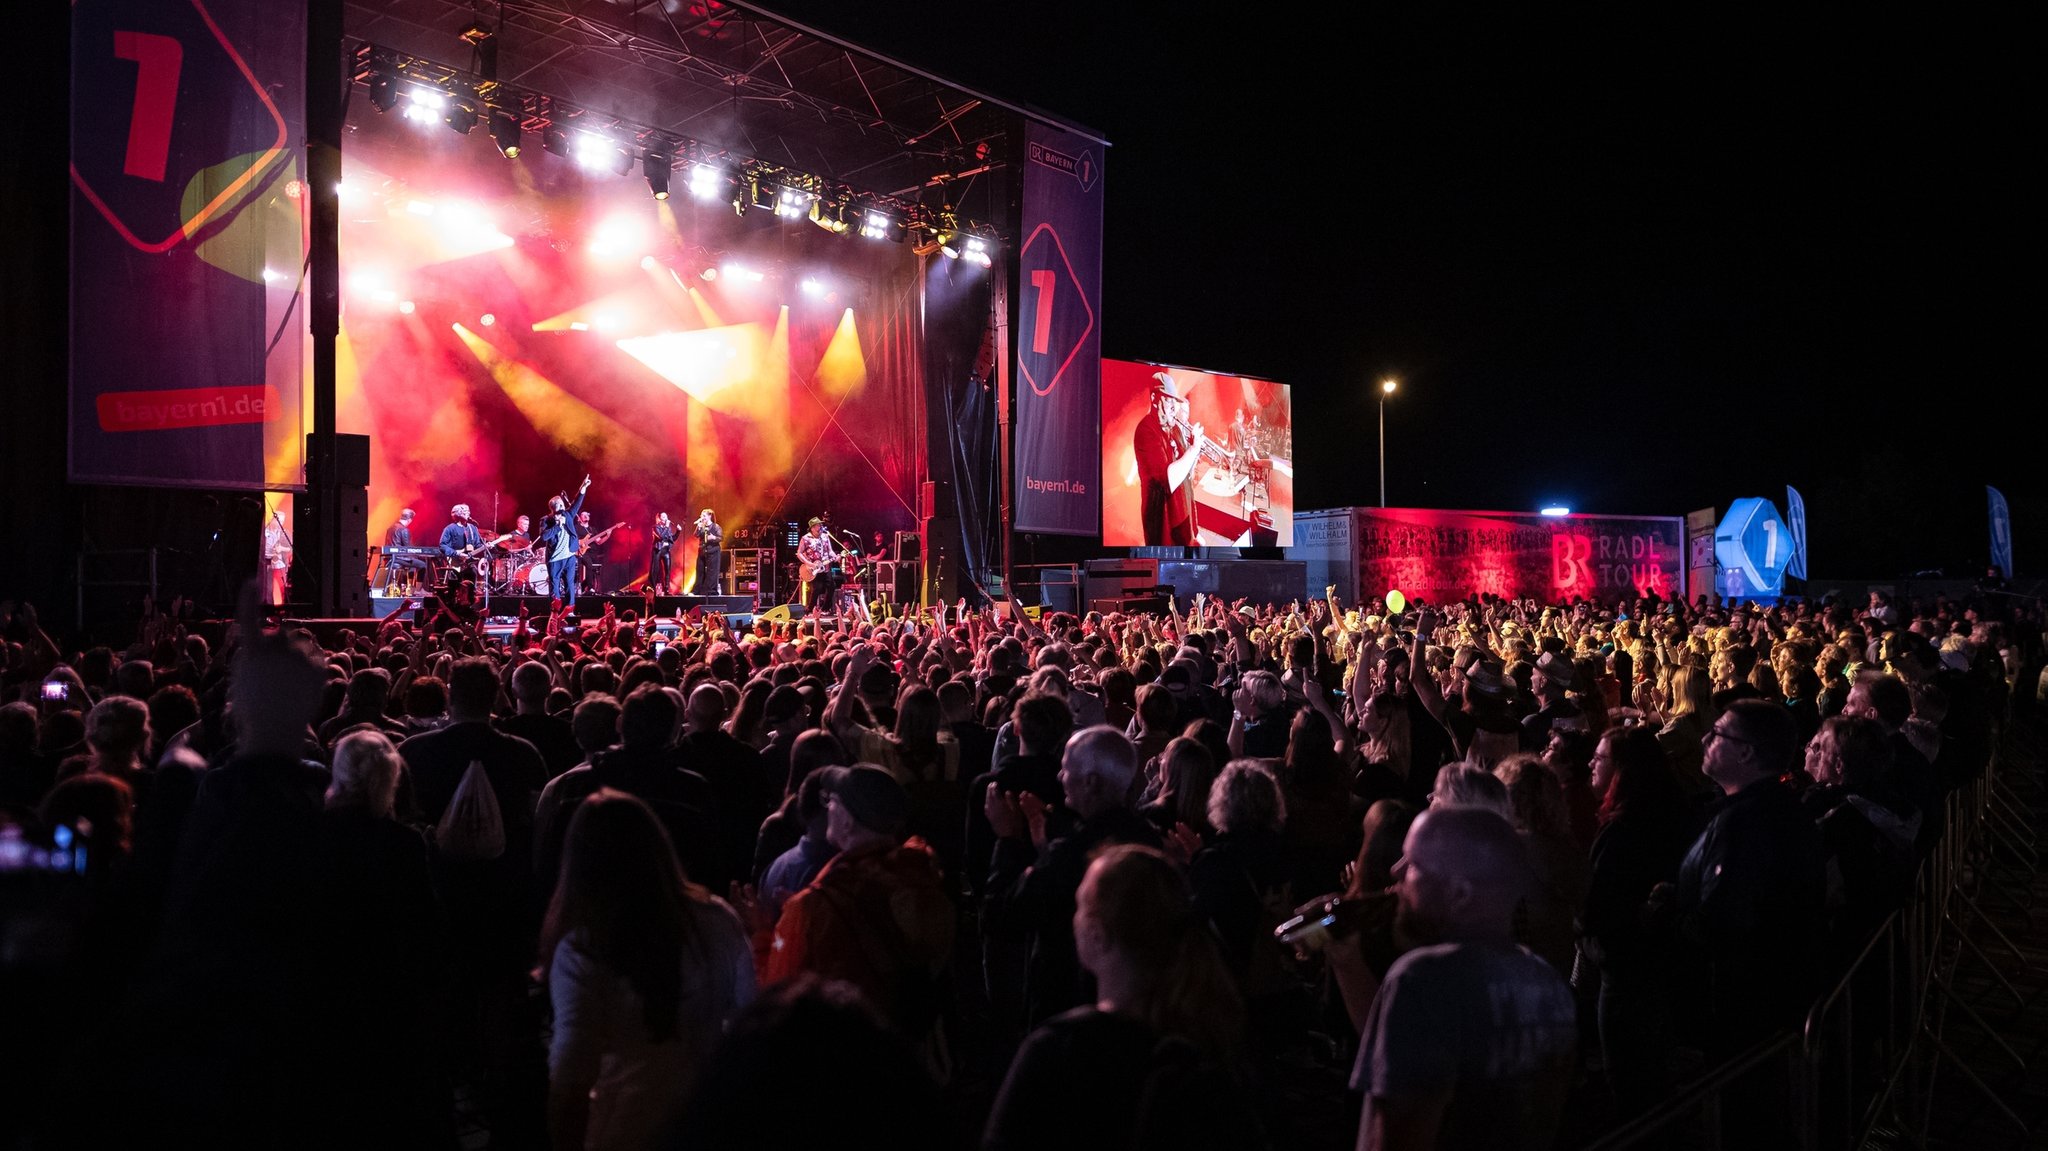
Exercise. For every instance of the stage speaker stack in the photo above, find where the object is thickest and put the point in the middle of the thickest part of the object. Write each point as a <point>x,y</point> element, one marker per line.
<point>352,511</point>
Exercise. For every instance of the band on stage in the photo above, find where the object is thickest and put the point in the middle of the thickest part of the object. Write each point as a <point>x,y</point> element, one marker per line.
<point>467,564</point>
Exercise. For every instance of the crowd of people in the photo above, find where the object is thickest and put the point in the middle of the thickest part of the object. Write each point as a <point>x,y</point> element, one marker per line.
<point>1482,874</point>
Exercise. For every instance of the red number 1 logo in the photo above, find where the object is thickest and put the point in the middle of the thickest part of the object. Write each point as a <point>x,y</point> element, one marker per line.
<point>157,60</point>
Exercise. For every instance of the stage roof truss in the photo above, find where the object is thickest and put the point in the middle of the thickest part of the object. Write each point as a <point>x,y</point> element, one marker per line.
<point>729,80</point>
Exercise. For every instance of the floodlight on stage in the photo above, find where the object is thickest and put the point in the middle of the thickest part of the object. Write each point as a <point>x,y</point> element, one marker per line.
<point>460,115</point>
<point>406,307</point>
<point>655,165</point>
<point>733,271</point>
<point>976,252</point>
<point>424,105</point>
<point>505,133</point>
<point>793,204</point>
<point>487,319</point>
<point>812,286</point>
<point>271,276</point>
<point>600,154</point>
<point>705,181</point>
<point>555,140</point>
<point>878,226</point>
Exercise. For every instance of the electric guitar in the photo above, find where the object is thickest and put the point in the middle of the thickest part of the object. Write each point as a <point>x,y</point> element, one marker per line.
<point>470,553</point>
<point>596,538</point>
<point>808,572</point>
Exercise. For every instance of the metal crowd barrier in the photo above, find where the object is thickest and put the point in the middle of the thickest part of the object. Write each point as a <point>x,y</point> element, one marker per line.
<point>1863,1066</point>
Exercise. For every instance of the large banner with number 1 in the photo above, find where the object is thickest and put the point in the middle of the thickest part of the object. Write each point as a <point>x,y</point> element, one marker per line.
<point>187,242</point>
<point>1056,431</point>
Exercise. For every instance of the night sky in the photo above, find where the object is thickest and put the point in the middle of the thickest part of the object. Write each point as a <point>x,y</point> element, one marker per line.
<point>1634,268</point>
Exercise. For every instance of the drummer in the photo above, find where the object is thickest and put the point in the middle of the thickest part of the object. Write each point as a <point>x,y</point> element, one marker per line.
<point>521,537</point>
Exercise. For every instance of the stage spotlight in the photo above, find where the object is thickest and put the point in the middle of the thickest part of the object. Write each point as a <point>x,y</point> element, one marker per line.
<point>878,226</point>
<point>488,319</point>
<point>793,204</point>
<point>505,133</point>
<point>831,217</point>
<point>976,252</point>
<point>383,91</point>
<point>812,286</point>
<point>709,273</point>
<point>598,154</point>
<point>460,115</point>
<point>406,307</point>
<point>555,140</point>
<point>424,105</point>
<point>705,181</point>
<point>656,167</point>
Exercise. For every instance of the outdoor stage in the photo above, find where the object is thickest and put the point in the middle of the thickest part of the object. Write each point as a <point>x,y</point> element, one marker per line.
<point>588,607</point>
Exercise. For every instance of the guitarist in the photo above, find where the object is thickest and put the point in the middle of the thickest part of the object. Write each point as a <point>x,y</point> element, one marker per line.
<point>558,541</point>
<point>461,540</point>
<point>819,565</point>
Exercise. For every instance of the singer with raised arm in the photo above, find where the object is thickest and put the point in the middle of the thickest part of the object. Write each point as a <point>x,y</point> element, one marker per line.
<point>559,538</point>
<point>1167,447</point>
<point>664,537</point>
<point>710,555</point>
<point>821,566</point>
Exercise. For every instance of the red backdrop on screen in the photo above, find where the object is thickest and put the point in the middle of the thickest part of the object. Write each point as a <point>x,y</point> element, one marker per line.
<point>1242,487</point>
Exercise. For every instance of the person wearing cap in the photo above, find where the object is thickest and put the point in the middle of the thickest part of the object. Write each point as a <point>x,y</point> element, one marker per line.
<point>1549,681</point>
<point>877,916</point>
<point>819,556</point>
<point>1166,447</point>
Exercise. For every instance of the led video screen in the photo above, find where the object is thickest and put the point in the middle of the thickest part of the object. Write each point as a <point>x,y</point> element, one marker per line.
<point>1194,459</point>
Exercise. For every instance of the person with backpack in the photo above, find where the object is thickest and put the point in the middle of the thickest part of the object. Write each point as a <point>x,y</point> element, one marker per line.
<point>475,787</point>
<point>1149,1063</point>
<point>877,915</point>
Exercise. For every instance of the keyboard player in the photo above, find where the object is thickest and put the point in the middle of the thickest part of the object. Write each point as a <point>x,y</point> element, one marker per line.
<point>402,568</point>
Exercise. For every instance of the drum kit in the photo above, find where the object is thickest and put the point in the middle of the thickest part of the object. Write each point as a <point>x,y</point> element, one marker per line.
<point>522,571</point>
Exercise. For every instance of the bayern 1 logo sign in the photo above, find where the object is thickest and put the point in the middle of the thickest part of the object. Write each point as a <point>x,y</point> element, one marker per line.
<point>1753,546</point>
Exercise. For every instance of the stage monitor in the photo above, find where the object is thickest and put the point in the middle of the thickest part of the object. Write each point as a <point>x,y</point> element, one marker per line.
<point>1195,459</point>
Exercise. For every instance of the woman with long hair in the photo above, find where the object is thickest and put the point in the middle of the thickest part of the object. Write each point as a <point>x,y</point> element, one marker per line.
<point>1646,824</point>
<point>1188,773</point>
<point>1683,736</point>
<point>1151,1062</point>
<point>749,720</point>
<point>643,969</point>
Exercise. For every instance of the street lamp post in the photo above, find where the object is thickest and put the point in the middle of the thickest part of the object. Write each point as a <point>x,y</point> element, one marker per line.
<point>1387,387</point>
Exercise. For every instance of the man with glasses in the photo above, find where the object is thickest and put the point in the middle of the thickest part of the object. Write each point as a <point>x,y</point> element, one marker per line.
<point>1748,902</point>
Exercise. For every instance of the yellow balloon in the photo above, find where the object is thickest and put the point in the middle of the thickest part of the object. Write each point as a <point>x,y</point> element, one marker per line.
<point>1396,602</point>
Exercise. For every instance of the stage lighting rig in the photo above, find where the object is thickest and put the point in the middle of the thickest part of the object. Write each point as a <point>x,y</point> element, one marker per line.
<point>383,91</point>
<point>504,127</point>
<point>655,165</point>
<point>794,203</point>
<point>460,115</point>
<point>705,181</point>
<point>830,216</point>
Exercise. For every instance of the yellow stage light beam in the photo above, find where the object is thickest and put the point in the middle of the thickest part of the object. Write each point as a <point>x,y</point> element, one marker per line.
<point>701,363</point>
<point>842,369</point>
<point>574,426</point>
